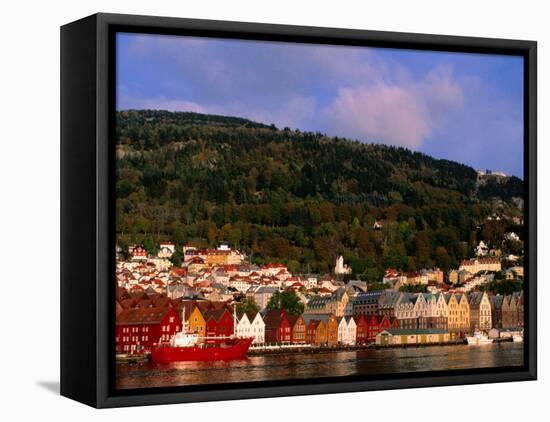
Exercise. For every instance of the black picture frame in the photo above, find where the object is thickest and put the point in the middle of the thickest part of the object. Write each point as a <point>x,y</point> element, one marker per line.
<point>87,209</point>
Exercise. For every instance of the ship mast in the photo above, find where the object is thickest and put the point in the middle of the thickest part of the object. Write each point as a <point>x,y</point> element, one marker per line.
<point>234,319</point>
<point>183,319</point>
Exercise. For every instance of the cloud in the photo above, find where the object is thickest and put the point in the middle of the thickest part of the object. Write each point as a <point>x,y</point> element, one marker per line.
<point>379,113</point>
<point>404,113</point>
<point>345,91</point>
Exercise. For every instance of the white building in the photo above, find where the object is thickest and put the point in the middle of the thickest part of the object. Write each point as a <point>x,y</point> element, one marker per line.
<point>411,306</point>
<point>474,266</point>
<point>347,331</point>
<point>511,236</point>
<point>340,267</point>
<point>481,249</point>
<point>263,294</point>
<point>240,284</point>
<point>436,306</point>
<point>166,250</point>
<point>251,328</point>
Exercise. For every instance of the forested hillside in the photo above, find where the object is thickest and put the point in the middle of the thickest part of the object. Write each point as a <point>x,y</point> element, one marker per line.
<point>301,198</point>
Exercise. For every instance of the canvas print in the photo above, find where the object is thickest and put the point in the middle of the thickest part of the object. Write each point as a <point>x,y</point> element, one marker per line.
<point>290,211</point>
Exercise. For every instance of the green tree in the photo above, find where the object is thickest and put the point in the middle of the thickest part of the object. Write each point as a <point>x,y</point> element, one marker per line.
<point>176,258</point>
<point>413,288</point>
<point>150,246</point>
<point>287,300</point>
<point>248,306</point>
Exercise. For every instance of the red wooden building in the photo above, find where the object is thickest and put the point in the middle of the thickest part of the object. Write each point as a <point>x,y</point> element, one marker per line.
<point>277,327</point>
<point>373,327</point>
<point>362,329</point>
<point>219,323</point>
<point>138,329</point>
<point>387,323</point>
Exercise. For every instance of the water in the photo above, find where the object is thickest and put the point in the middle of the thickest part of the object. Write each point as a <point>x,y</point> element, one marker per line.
<point>329,364</point>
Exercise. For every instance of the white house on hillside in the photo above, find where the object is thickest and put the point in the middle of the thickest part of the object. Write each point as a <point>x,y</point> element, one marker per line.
<point>166,250</point>
<point>340,267</point>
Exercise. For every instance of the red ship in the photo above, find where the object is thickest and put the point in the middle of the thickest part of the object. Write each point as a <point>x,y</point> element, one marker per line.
<point>184,346</point>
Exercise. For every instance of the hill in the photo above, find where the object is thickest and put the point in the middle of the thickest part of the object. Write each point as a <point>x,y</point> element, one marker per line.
<point>299,197</point>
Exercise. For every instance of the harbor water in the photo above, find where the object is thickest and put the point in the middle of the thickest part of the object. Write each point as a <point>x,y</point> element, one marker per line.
<point>324,364</point>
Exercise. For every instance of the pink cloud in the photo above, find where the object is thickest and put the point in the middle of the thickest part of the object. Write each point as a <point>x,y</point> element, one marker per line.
<point>401,113</point>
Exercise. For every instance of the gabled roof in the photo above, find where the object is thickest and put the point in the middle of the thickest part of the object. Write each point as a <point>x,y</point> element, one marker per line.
<point>349,319</point>
<point>475,298</point>
<point>140,316</point>
<point>266,290</point>
<point>496,301</point>
<point>273,317</point>
<point>316,317</point>
<point>216,314</point>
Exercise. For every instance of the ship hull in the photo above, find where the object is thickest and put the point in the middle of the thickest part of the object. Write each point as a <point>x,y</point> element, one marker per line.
<point>224,351</point>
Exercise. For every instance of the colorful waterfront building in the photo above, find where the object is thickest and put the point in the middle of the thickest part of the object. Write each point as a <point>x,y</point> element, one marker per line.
<point>437,311</point>
<point>362,329</point>
<point>298,326</point>
<point>219,323</point>
<point>251,325</point>
<point>510,311</point>
<point>496,310</point>
<point>347,330</point>
<point>196,322</point>
<point>480,311</point>
<point>138,329</point>
<point>277,326</point>
<point>373,327</point>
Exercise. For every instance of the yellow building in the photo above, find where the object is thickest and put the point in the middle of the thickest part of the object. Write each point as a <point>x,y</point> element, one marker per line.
<point>458,312</point>
<point>463,313</point>
<point>218,257</point>
<point>453,277</point>
<point>480,264</point>
<point>320,333</point>
<point>334,304</point>
<point>452,313</point>
<point>196,322</point>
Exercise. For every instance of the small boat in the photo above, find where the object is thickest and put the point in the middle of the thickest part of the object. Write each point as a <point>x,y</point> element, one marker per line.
<point>185,346</point>
<point>478,338</point>
<point>517,338</point>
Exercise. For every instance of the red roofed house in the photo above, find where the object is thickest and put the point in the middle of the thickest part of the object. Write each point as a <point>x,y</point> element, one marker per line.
<point>138,329</point>
<point>138,253</point>
<point>296,286</point>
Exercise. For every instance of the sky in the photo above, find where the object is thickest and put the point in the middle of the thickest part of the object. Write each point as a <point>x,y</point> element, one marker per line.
<point>463,107</point>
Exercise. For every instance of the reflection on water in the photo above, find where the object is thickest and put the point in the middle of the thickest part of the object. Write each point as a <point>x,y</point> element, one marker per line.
<point>329,364</point>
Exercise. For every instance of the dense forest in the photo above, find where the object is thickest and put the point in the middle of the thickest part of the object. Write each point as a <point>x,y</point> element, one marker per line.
<point>300,198</point>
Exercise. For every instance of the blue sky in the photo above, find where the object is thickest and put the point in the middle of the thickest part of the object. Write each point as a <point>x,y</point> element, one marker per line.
<point>460,106</point>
